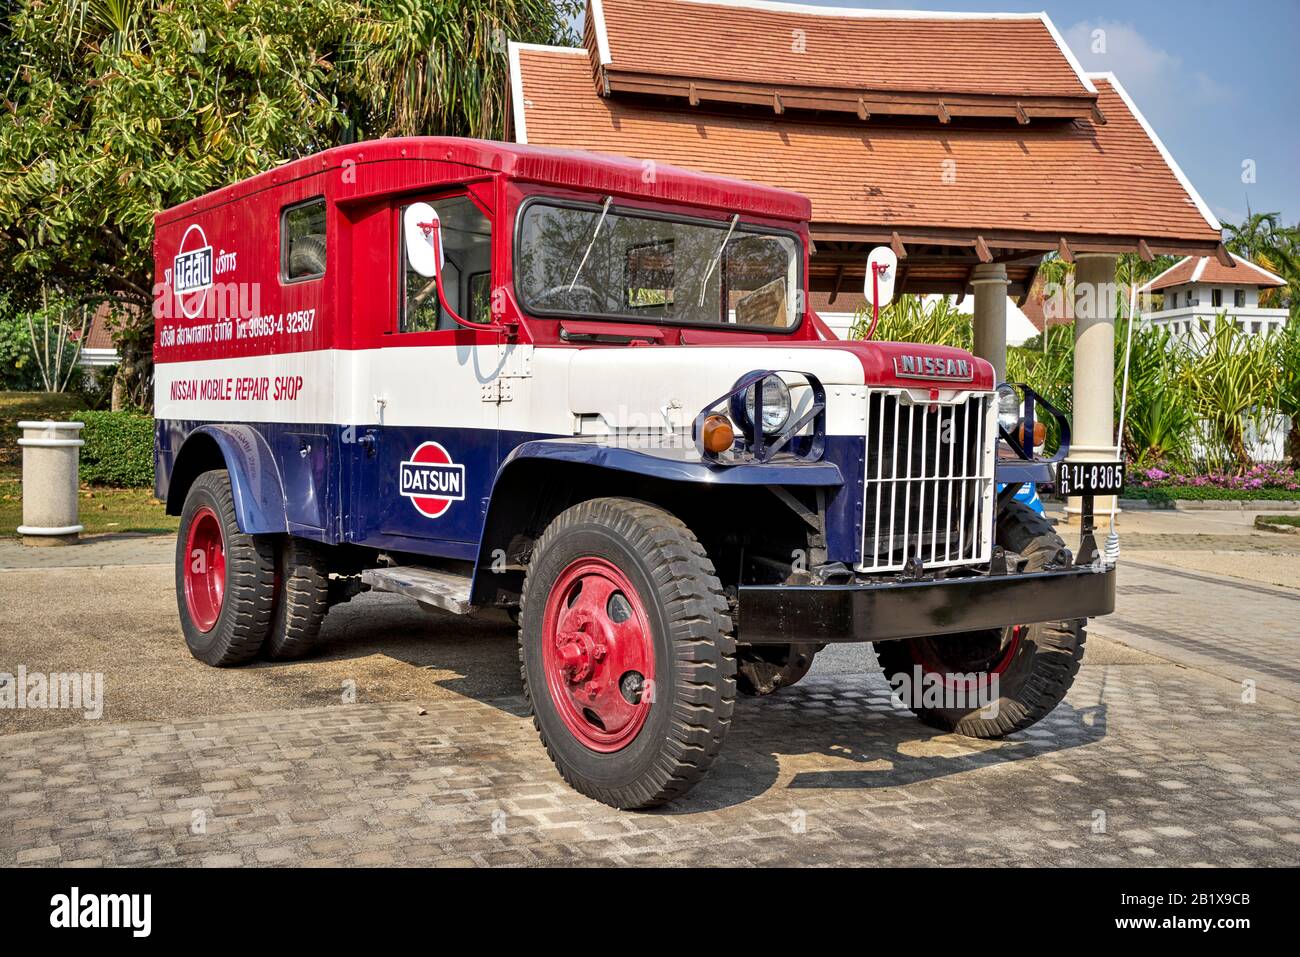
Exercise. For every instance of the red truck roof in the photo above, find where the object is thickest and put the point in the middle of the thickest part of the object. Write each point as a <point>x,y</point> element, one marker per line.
<point>574,169</point>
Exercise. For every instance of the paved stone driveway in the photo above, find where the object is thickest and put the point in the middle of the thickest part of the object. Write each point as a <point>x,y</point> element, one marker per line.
<point>1151,760</point>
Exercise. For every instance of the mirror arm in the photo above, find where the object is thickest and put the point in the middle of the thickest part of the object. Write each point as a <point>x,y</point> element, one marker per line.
<point>437,276</point>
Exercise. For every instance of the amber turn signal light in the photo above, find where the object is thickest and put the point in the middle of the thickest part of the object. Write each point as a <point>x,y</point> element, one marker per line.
<point>717,433</point>
<point>1040,434</point>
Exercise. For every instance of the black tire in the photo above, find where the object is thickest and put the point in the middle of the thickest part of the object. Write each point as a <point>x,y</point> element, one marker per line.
<point>302,601</point>
<point>248,603</point>
<point>766,669</point>
<point>1038,663</point>
<point>694,652</point>
<point>307,256</point>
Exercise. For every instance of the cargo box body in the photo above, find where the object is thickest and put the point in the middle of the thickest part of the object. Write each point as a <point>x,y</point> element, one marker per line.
<point>279,341</point>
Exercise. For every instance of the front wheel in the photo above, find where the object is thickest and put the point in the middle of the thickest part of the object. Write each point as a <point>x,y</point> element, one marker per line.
<point>626,653</point>
<point>987,684</point>
<point>225,579</point>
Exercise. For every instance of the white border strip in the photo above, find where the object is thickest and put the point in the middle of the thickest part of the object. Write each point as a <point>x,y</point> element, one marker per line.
<point>517,94</point>
<point>1199,271</point>
<point>1156,279</point>
<point>858,13</point>
<point>1241,260</point>
<point>602,35</point>
<point>1210,218</point>
<point>1067,53</point>
<point>517,81</point>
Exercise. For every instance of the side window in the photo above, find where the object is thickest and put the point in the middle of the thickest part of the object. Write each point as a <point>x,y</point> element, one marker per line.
<point>466,272</point>
<point>302,241</point>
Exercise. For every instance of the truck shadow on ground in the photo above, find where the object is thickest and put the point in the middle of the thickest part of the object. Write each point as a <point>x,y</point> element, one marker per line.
<point>833,732</point>
<point>843,732</point>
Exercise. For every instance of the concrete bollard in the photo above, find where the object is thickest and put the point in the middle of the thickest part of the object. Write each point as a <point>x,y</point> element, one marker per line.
<point>50,462</point>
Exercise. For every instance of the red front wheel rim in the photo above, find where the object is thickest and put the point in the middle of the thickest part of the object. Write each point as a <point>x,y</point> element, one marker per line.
<point>598,654</point>
<point>928,654</point>
<point>205,569</point>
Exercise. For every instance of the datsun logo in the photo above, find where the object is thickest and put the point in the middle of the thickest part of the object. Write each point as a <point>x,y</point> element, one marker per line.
<point>192,271</point>
<point>431,480</point>
<point>933,367</point>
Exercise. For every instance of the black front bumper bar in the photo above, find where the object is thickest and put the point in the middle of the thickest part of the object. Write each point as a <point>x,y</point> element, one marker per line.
<point>822,614</point>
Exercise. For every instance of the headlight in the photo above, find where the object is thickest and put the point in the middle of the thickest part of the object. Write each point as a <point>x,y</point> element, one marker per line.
<point>1008,409</point>
<point>776,404</point>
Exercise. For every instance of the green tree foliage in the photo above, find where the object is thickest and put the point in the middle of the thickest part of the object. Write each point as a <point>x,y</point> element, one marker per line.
<point>116,109</point>
<point>1262,238</point>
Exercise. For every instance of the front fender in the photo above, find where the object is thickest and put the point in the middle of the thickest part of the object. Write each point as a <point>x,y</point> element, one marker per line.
<point>673,463</point>
<point>515,491</point>
<point>255,482</point>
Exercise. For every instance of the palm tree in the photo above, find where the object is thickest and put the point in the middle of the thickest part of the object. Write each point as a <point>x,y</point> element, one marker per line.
<point>419,67</point>
<point>1263,239</point>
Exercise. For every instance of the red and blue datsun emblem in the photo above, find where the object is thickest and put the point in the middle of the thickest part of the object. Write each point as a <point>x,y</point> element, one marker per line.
<point>431,480</point>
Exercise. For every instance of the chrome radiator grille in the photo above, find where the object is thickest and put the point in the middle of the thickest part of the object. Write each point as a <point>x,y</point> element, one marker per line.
<point>928,481</point>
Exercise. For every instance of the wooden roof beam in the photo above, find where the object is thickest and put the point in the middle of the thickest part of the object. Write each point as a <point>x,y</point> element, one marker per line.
<point>777,106</point>
<point>863,113</point>
<point>1063,250</point>
<point>839,278</point>
<point>1144,251</point>
<point>1021,116</point>
<point>693,95</point>
<point>982,250</point>
<point>1029,283</point>
<point>944,115</point>
<point>896,244</point>
<point>966,284</point>
<point>1222,255</point>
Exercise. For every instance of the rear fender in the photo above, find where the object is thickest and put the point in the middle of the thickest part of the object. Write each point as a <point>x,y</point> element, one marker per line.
<point>255,482</point>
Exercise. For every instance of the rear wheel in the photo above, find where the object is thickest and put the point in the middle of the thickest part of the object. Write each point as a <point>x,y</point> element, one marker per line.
<point>1030,666</point>
<point>225,579</point>
<point>626,653</point>
<point>302,601</point>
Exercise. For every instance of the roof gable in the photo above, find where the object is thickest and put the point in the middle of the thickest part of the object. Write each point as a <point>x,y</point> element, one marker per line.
<point>1205,269</point>
<point>870,62</point>
<point>1078,179</point>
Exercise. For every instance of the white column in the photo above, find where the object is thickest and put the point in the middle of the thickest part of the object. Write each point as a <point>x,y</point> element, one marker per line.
<point>1093,421</point>
<point>50,463</point>
<point>990,282</point>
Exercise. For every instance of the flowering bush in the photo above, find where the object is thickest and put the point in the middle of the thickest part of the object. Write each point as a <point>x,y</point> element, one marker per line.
<point>1259,476</point>
<point>1260,481</point>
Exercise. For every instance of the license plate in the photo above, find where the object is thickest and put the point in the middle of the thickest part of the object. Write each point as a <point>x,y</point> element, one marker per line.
<point>1090,478</point>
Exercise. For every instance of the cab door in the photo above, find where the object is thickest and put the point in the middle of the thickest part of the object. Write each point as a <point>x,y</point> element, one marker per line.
<point>428,460</point>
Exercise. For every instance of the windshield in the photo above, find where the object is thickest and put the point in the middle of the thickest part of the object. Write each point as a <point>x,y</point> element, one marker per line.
<point>600,261</point>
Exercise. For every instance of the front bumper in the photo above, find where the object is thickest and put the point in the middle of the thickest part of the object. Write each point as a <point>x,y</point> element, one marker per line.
<point>823,614</point>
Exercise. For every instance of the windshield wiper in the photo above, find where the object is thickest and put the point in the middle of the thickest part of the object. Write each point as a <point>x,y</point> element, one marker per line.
<point>594,233</point>
<point>717,258</point>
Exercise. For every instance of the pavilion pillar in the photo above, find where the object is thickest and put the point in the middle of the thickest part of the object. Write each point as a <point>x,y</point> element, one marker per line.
<point>1093,424</point>
<point>990,321</point>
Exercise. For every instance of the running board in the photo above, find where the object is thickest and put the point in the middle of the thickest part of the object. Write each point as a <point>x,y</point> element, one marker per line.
<point>446,591</point>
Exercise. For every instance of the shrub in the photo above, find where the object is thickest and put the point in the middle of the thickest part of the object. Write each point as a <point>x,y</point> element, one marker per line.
<point>1260,482</point>
<point>118,449</point>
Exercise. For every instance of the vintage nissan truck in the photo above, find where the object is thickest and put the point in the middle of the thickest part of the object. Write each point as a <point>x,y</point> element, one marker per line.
<point>588,391</point>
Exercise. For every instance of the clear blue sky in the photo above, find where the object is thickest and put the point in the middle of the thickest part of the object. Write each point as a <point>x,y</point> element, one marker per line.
<point>1219,81</point>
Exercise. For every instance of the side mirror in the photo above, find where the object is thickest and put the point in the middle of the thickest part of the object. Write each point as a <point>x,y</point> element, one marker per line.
<point>423,232</point>
<point>882,270</point>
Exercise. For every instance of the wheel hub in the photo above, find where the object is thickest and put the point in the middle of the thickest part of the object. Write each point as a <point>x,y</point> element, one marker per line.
<point>598,654</point>
<point>205,569</point>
